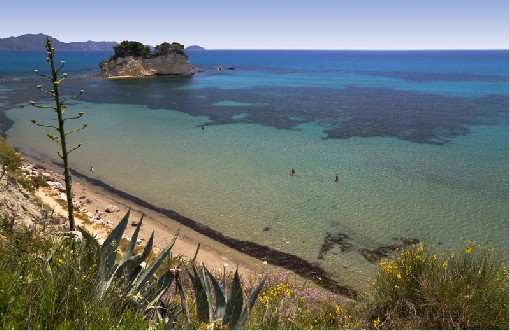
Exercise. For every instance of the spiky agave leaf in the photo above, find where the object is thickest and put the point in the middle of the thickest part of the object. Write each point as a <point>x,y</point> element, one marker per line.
<point>154,294</point>
<point>182,294</point>
<point>235,303</point>
<point>251,302</point>
<point>221,302</point>
<point>201,299</point>
<point>151,269</point>
<point>129,249</point>
<point>110,245</point>
<point>89,240</point>
<point>208,294</point>
<point>133,266</point>
<point>126,257</point>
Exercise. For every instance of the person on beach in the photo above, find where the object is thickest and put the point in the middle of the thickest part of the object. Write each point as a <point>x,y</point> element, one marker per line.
<point>336,178</point>
<point>92,169</point>
<point>97,216</point>
<point>292,171</point>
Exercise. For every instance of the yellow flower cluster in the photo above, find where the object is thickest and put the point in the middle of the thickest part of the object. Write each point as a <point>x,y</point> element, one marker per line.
<point>266,297</point>
<point>472,246</point>
<point>377,321</point>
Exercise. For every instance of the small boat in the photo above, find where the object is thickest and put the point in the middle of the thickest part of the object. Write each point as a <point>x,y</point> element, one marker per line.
<point>221,68</point>
<point>231,68</point>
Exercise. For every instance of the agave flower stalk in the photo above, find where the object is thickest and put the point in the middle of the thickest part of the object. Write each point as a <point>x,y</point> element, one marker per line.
<point>59,108</point>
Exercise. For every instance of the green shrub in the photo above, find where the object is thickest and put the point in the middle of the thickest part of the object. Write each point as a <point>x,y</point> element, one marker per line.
<point>425,289</point>
<point>9,158</point>
<point>46,284</point>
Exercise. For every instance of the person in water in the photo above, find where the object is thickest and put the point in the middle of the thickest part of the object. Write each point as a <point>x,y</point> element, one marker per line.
<point>336,178</point>
<point>292,171</point>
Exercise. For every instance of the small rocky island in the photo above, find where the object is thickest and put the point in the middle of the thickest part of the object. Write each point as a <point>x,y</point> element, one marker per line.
<point>133,59</point>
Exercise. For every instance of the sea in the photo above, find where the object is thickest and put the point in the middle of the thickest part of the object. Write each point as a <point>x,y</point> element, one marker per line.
<point>418,139</point>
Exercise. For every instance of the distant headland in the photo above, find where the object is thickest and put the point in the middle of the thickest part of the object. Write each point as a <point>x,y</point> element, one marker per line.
<point>195,48</point>
<point>35,42</point>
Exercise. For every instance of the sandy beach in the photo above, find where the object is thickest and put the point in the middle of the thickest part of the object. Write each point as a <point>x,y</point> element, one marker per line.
<point>213,254</point>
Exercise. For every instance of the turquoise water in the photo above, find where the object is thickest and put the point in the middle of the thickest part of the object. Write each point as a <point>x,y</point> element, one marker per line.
<point>417,156</point>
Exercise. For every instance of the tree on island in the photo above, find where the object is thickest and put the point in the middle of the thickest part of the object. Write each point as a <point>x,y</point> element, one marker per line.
<point>59,108</point>
<point>131,48</point>
<point>135,48</point>
<point>166,48</point>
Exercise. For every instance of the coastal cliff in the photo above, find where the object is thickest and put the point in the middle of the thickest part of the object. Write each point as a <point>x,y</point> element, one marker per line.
<point>132,59</point>
<point>137,66</point>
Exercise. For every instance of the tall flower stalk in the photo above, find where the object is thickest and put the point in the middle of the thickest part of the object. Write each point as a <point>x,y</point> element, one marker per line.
<point>59,108</point>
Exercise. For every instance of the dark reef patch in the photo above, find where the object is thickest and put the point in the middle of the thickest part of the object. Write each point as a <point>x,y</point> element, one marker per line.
<point>372,255</point>
<point>352,111</point>
<point>345,112</point>
<point>332,240</point>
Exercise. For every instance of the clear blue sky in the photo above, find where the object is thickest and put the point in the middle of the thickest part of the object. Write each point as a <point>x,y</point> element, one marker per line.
<point>268,24</point>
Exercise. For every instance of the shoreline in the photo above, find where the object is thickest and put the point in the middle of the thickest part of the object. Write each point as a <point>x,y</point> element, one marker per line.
<point>216,249</point>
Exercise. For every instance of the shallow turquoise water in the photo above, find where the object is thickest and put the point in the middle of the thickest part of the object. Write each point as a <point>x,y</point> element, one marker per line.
<point>230,179</point>
<point>424,152</point>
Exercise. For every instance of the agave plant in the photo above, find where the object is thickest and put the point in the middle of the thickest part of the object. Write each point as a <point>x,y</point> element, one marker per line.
<point>229,312</point>
<point>130,274</point>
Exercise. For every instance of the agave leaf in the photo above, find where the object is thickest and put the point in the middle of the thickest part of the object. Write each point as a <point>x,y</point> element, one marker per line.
<point>151,269</point>
<point>110,245</point>
<point>137,260</point>
<point>89,240</point>
<point>220,298</point>
<point>208,295</point>
<point>183,299</point>
<point>200,295</point>
<point>148,248</point>
<point>163,283</point>
<point>127,255</point>
<point>234,303</point>
<point>130,280</point>
<point>129,250</point>
<point>224,285</point>
<point>251,302</point>
<point>190,274</point>
<point>116,234</point>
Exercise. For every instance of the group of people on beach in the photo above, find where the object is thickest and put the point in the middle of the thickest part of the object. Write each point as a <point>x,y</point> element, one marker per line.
<point>293,172</point>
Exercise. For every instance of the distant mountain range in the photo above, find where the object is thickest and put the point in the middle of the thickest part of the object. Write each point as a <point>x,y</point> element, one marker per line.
<point>36,42</point>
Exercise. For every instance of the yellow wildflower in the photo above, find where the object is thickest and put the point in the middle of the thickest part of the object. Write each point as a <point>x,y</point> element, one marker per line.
<point>434,257</point>
<point>469,250</point>
<point>399,276</point>
<point>377,321</point>
<point>60,261</point>
<point>420,248</point>
<point>445,264</point>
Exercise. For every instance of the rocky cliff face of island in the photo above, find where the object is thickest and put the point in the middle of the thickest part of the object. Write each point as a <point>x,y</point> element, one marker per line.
<point>138,66</point>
